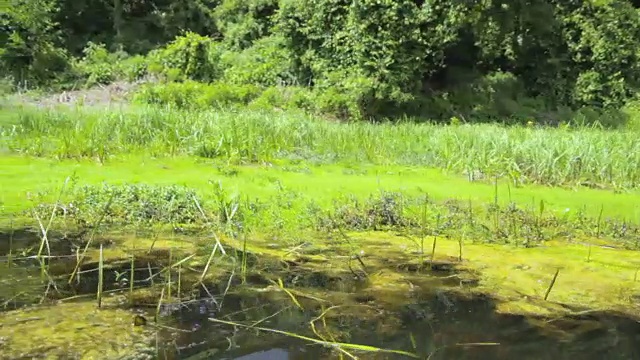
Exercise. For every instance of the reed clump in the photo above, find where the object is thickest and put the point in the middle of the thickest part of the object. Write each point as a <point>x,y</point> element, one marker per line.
<point>564,155</point>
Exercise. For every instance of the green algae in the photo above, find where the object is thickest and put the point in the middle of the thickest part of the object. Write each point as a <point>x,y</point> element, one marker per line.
<point>520,276</point>
<point>389,280</point>
<point>22,181</point>
<point>72,331</point>
<point>351,272</point>
<point>20,285</point>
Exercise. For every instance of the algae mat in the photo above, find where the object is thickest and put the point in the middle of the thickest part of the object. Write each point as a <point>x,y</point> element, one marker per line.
<point>72,331</point>
<point>589,277</point>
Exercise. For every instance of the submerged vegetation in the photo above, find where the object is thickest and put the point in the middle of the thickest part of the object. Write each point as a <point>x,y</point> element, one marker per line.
<point>374,180</point>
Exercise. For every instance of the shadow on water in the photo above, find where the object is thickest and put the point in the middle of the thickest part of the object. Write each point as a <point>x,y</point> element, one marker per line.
<point>429,313</point>
<point>272,354</point>
<point>433,326</point>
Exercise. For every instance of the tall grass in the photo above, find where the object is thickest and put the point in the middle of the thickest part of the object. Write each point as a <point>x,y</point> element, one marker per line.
<point>539,155</point>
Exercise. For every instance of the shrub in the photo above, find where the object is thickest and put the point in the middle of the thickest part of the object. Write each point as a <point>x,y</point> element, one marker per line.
<point>288,97</point>
<point>242,22</point>
<point>224,95</point>
<point>345,94</point>
<point>191,94</point>
<point>267,63</point>
<point>135,68</point>
<point>99,66</point>
<point>29,50</point>
<point>188,57</point>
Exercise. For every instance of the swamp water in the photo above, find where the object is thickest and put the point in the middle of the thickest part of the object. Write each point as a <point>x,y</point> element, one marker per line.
<point>284,310</point>
<point>444,326</point>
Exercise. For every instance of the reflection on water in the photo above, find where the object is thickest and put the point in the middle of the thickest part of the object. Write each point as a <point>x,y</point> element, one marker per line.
<point>272,354</point>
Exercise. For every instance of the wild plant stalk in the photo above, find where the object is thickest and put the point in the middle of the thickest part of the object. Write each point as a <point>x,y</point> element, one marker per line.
<point>539,221</point>
<point>151,275</point>
<point>433,250</point>
<point>597,231</point>
<point>335,345</point>
<point>169,274</point>
<point>156,236</point>
<point>218,244</point>
<point>179,281</point>
<point>330,336</point>
<point>44,265</point>
<point>44,241</point>
<point>551,284</point>
<point>159,306</point>
<point>460,242</point>
<point>100,277</point>
<point>44,231</point>
<point>93,233</point>
<point>471,220</point>
<point>131,278</point>
<point>280,285</point>
<point>244,270</point>
<point>10,255</point>
<point>208,264</point>
<point>423,229</point>
<point>435,240</point>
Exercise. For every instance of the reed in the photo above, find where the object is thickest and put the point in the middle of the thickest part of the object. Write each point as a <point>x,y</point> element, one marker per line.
<point>532,155</point>
<point>100,277</point>
<point>551,284</point>
<point>336,345</point>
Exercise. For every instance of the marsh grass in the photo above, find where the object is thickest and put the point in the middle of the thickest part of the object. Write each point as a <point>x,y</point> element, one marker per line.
<point>567,155</point>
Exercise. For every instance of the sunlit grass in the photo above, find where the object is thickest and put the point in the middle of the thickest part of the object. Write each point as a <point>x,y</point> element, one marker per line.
<point>24,185</point>
<point>541,155</point>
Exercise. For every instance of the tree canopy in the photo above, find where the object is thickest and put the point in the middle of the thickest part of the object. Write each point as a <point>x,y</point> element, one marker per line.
<point>389,55</point>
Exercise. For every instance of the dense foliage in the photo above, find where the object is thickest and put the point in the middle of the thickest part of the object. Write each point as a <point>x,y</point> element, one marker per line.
<point>487,60</point>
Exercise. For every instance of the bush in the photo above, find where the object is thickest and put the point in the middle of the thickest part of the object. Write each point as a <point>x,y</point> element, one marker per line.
<point>242,22</point>
<point>191,94</point>
<point>29,51</point>
<point>289,97</point>
<point>267,63</point>
<point>188,57</point>
<point>135,68</point>
<point>224,95</point>
<point>99,66</point>
<point>347,94</point>
<point>606,54</point>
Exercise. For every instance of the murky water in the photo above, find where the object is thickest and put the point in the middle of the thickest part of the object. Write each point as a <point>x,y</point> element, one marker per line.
<point>271,354</point>
<point>431,328</point>
<point>425,313</point>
